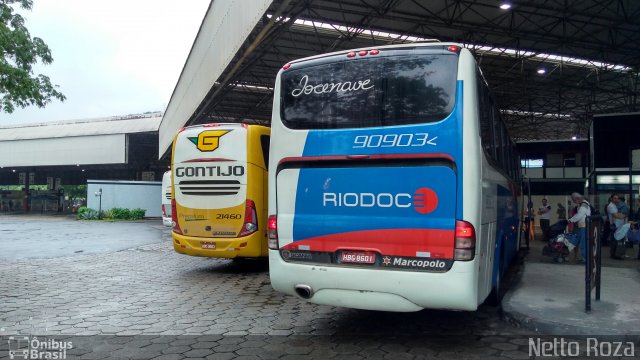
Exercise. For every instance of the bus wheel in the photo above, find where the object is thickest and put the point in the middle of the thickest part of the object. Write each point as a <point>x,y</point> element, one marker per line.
<point>497,293</point>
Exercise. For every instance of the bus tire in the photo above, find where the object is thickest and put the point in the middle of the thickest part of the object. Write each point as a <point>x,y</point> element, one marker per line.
<point>497,293</point>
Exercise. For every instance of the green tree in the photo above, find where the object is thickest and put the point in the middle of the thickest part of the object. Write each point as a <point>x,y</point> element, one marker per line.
<point>19,86</point>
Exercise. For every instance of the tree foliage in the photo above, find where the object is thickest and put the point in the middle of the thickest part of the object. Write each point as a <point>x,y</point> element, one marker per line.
<point>19,86</point>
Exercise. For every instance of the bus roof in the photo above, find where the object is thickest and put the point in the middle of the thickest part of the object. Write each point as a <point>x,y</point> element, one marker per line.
<point>386,47</point>
<point>224,125</point>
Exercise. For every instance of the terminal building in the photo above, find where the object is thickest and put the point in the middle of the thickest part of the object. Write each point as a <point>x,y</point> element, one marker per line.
<point>52,155</point>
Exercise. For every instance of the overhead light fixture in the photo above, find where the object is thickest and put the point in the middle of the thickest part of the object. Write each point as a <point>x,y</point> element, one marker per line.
<point>574,137</point>
<point>541,71</point>
<point>505,6</point>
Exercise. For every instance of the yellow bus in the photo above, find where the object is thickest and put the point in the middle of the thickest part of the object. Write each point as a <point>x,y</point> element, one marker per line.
<point>219,186</point>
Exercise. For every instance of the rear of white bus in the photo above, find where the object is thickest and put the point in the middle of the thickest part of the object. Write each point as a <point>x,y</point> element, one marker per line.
<point>365,198</point>
<point>166,199</point>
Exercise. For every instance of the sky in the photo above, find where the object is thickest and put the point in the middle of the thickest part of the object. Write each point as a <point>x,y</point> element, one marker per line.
<point>115,57</point>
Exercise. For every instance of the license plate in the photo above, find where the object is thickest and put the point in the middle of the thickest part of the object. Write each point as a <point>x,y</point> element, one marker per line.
<point>358,257</point>
<point>208,245</point>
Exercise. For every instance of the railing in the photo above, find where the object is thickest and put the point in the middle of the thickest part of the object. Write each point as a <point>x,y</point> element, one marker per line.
<point>593,263</point>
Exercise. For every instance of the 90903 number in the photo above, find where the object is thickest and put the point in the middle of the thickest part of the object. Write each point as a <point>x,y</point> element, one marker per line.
<point>394,140</point>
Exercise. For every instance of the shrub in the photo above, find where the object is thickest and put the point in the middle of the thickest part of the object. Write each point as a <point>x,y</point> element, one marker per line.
<point>87,214</point>
<point>120,213</point>
<point>108,214</point>
<point>137,214</point>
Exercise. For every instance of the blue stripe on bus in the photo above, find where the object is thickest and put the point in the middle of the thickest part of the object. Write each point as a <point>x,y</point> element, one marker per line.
<point>339,200</point>
<point>445,134</point>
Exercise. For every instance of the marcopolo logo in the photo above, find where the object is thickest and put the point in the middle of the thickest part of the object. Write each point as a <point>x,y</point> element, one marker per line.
<point>402,262</point>
<point>208,140</point>
<point>423,200</point>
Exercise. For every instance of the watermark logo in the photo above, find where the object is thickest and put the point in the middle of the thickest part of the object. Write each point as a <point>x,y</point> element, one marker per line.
<point>594,347</point>
<point>25,347</point>
<point>208,140</point>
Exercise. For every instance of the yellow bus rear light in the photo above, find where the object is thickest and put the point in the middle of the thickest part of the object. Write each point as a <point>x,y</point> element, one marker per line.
<point>250,219</point>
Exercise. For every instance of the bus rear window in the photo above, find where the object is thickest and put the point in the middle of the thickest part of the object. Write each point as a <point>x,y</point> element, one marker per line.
<point>368,92</point>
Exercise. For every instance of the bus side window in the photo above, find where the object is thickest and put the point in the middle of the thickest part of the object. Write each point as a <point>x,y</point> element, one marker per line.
<point>264,141</point>
<point>484,112</point>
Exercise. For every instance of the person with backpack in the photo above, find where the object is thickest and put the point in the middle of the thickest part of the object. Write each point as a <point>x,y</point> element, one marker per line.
<point>580,222</point>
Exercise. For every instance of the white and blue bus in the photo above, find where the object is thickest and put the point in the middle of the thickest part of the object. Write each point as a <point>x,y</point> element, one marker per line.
<point>393,182</point>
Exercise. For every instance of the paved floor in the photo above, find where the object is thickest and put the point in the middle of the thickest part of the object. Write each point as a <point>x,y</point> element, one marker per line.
<point>165,305</point>
<point>48,236</point>
<point>550,297</point>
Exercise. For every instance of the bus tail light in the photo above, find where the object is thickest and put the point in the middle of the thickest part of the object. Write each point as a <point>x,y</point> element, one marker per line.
<point>174,218</point>
<point>250,219</point>
<point>164,212</point>
<point>465,241</point>
<point>454,48</point>
<point>272,233</point>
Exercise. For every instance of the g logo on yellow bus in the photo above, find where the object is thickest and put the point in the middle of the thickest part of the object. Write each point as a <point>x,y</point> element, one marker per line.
<point>208,140</point>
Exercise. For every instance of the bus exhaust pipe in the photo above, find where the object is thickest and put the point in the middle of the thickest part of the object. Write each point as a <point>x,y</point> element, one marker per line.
<point>304,291</point>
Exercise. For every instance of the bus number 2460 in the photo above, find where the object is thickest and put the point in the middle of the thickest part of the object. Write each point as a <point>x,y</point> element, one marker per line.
<point>394,140</point>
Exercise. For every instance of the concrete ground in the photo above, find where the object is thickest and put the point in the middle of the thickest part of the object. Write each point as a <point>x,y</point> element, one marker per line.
<point>149,302</point>
<point>50,236</point>
<point>550,297</point>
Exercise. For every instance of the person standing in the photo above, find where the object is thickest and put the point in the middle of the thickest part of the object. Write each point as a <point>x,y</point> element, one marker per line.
<point>617,212</point>
<point>623,209</point>
<point>580,222</point>
<point>562,212</point>
<point>545,217</point>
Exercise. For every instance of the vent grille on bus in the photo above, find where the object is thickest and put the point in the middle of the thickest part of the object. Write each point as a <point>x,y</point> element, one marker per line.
<point>167,195</point>
<point>209,187</point>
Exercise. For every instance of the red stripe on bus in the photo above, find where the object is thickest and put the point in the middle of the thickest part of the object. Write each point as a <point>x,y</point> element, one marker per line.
<point>399,242</point>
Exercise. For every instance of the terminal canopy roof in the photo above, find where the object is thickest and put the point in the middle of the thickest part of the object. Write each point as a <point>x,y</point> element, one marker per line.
<point>551,64</point>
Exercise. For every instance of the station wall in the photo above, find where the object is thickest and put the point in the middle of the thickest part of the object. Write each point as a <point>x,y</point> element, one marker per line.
<point>126,194</point>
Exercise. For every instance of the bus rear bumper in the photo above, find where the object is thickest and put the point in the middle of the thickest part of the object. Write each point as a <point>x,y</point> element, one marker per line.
<point>378,289</point>
<point>229,248</point>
